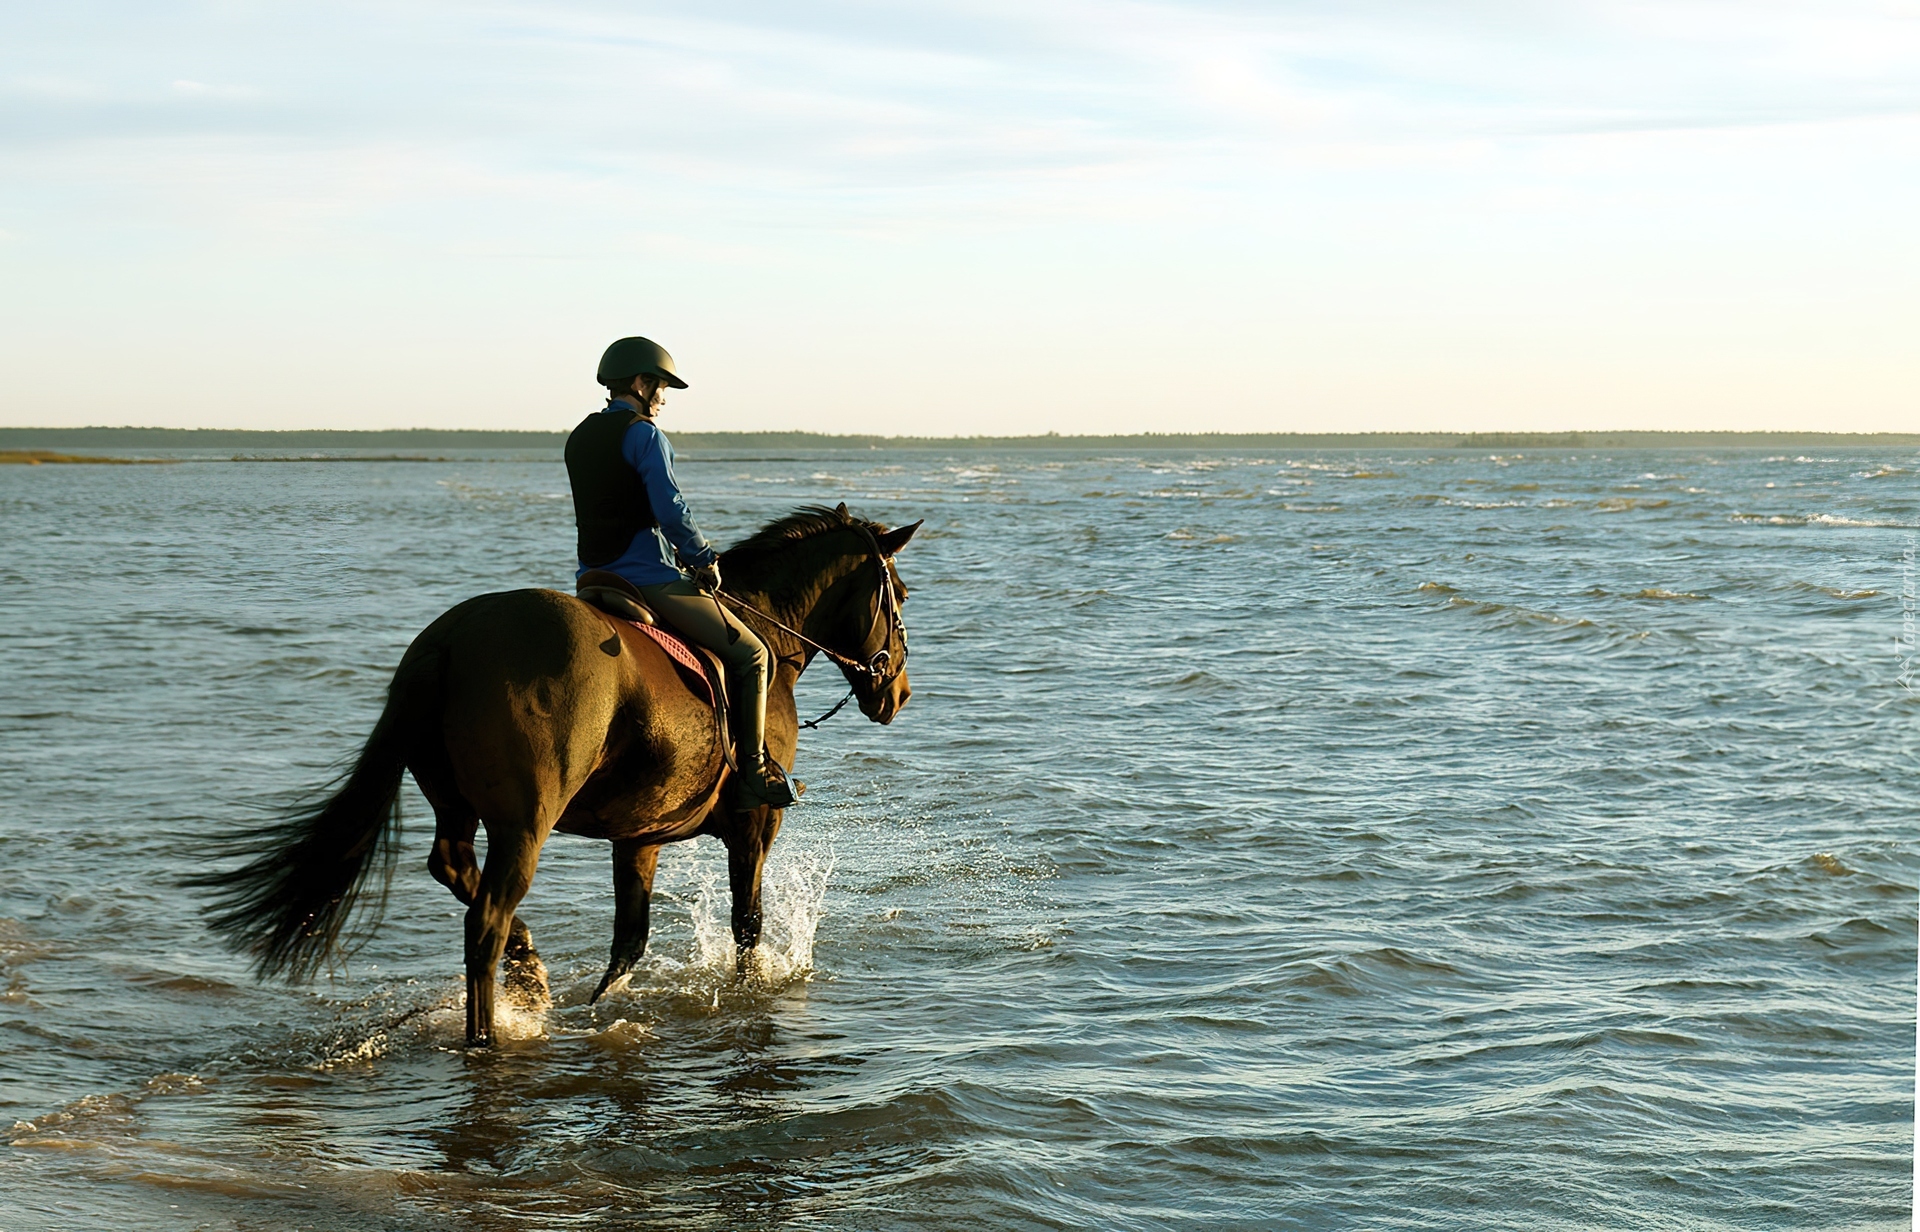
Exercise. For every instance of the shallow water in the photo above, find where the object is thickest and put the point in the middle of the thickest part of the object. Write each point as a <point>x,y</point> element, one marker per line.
<point>1400,840</point>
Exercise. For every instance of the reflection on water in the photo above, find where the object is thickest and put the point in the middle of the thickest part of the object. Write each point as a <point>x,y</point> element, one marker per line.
<point>1413,840</point>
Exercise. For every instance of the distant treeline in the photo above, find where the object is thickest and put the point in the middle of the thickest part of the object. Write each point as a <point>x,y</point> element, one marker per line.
<point>230,439</point>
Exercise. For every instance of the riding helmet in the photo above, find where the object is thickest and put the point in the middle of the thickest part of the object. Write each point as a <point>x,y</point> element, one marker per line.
<point>631,357</point>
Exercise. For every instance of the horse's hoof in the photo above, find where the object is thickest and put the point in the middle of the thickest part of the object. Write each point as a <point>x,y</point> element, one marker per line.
<point>750,965</point>
<point>525,982</point>
<point>613,976</point>
<point>523,977</point>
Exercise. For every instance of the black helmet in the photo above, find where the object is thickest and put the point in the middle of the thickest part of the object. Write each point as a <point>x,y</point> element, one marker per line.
<point>631,357</point>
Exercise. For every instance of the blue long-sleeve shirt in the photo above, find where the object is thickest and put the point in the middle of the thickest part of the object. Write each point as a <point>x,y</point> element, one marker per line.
<point>649,558</point>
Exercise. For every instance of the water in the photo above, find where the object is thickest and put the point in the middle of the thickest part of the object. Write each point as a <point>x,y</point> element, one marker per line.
<point>1394,841</point>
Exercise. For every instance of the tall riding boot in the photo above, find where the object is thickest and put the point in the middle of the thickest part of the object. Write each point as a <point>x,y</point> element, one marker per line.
<point>762,781</point>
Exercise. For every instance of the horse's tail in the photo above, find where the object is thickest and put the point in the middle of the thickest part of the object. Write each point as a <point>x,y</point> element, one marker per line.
<point>288,905</point>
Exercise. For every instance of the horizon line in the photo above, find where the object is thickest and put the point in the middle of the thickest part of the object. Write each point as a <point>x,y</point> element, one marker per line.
<point>1571,436</point>
<point>1438,438</point>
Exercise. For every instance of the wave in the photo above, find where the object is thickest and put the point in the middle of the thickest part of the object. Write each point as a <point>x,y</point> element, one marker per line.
<point>1514,614</point>
<point>1834,519</point>
<point>1385,968</point>
<point>82,1121</point>
<point>1834,592</point>
<point>1430,498</point>
<point>1811,519</point>
<point>1202,682</point>
<point>1657,592</point>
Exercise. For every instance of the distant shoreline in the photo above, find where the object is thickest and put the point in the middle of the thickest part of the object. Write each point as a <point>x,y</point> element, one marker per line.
<point>45,439</point>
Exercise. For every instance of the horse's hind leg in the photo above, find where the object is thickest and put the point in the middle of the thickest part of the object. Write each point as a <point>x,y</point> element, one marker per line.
<point>453,865</point>
<point>451,861</point>
<point>633,866</point>
<point>513,851</point>
<point>522,975</point>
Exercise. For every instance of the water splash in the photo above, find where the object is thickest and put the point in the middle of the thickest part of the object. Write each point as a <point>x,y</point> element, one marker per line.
<point>793,893</point>
<point>702,970</point>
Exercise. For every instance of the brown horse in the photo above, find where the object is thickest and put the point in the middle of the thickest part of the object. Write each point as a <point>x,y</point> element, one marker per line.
<point>528,712</point>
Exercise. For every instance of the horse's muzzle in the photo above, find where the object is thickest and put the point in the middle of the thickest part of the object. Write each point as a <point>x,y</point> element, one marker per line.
<point>883,705</point>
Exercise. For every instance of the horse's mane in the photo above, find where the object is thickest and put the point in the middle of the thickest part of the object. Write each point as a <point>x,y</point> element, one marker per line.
<point>802,523</point>
<point>767,558</point>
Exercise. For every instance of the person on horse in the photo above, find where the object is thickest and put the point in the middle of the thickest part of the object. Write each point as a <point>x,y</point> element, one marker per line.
<point>632,521</point>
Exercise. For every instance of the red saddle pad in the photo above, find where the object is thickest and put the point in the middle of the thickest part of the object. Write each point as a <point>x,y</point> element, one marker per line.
<point>681,653</point>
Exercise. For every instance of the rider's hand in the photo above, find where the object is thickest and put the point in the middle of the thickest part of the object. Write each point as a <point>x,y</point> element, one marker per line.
<point>706,577</point>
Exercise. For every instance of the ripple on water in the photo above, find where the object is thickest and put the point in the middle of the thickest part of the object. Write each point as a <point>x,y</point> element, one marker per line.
<point>1411,839</point>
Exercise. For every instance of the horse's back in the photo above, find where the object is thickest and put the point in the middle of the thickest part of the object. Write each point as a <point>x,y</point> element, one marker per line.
<point>540,691</point>
<point>527,698</point>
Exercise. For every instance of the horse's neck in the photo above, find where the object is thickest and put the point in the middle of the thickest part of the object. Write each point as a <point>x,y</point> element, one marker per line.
<point>802,590</point>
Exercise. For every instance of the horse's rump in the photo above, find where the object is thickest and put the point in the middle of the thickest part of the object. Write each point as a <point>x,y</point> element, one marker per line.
<point>560,714</point>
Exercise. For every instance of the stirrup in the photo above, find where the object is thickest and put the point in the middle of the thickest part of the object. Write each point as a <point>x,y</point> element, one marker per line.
<point>771,785</point>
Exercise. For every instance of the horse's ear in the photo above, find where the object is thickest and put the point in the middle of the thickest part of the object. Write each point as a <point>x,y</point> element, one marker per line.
<point>892,541</point>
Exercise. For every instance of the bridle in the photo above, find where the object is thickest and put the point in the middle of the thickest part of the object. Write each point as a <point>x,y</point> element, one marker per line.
<point>878,668</point>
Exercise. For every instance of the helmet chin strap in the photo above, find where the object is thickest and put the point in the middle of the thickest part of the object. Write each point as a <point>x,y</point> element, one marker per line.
<point>646,408</point>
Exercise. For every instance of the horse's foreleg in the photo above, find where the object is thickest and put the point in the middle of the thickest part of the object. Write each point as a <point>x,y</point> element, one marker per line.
<point>746,857</point>
<point>512,854</point>
<point>633,866</point>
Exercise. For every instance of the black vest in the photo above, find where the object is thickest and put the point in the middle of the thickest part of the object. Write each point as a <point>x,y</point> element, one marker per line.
<point>610,504</point>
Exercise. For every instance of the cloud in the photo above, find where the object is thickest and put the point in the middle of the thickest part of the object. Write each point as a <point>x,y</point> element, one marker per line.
<point>200,89</point>
<point>1254,177</point>
<point>847,88</point>
<point>863,115</point>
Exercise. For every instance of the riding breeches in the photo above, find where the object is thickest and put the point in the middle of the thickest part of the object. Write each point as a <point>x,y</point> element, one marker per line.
<point>699,616</point>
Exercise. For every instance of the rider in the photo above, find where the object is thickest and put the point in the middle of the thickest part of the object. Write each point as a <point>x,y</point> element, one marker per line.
<point>632,521</point>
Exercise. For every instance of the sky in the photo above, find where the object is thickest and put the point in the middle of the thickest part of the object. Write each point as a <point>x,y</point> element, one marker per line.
<point>965,217</point>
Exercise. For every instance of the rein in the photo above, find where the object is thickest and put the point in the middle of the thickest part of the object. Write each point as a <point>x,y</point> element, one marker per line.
<point>886,611</point>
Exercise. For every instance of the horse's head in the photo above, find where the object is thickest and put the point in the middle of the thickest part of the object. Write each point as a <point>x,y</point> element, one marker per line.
<point>832,574</point>
<point>871,623</point>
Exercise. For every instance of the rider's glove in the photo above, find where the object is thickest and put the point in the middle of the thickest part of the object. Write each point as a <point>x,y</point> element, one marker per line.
<point>706,577</point>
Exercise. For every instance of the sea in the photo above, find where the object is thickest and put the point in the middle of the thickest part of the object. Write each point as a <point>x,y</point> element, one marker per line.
<point>1381,839</point>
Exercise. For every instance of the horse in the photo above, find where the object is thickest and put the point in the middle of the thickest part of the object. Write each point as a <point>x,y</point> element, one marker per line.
<point>530,711</point>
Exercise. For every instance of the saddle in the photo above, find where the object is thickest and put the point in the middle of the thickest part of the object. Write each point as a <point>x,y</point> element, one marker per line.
<point>621,599</point>
<point>614,595</point>
<point>702,669</point>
